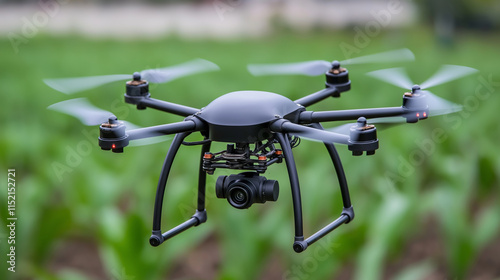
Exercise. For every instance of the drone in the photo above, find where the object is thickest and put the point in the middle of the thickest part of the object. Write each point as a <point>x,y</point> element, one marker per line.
<point>259,129</point>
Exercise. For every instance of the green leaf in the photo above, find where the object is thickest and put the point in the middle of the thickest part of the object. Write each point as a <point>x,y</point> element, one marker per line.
<point>416,271</point>
<point>487,226</point>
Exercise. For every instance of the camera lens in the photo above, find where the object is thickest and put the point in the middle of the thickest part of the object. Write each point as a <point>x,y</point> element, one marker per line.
<point>239,196</point>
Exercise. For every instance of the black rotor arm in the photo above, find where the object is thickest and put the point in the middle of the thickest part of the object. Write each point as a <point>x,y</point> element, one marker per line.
<point>189,125</point>
<point>345,115</point>
<point>114,137</point>
<point>165,106</point>
<point>317,96</point>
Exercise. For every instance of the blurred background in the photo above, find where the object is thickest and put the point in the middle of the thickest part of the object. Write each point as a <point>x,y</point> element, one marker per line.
<point>426,207</point>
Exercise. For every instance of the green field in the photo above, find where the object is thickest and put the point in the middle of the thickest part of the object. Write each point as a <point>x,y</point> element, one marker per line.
<point>86,214</point>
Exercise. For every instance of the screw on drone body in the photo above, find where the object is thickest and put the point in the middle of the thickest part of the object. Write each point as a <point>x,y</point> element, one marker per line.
<point>362,125</point>
<point>336,69</point>
<point>136,80</point>
<point>137,76</point>
<point>112,120</point>
<point>361,122</point>
<point>414,90</point>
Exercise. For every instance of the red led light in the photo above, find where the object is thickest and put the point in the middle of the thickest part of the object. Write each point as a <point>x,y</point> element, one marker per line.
<point>113,146</point>
<point>425,114</point>
<point>418,115</point>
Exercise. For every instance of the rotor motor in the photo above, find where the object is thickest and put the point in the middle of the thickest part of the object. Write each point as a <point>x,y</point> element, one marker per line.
<point>416,102</point>
<point>338,77</point>
<point>363,138</point>
<point>136,90</point>
<point>112,135</point>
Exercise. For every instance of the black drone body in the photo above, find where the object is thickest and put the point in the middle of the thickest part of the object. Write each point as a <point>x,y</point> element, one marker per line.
<point>260,129</point>
<point>245,116</point>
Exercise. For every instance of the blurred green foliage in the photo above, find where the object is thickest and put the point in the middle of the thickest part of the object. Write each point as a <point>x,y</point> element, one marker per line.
<point>478,15</point>
<point>68,189</point>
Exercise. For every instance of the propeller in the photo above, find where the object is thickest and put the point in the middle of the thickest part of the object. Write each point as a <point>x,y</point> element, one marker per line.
<point>90,115</point>
<point>312,133</point>
<point>437,105</point>
<point>362,137</point>
<point>346,128</point>
<point>322,136</point>
<point>318,67</point>
<point>159,75</point>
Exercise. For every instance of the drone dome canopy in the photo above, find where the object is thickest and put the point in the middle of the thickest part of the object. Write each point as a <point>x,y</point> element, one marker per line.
<point>247,108</point>
<point>248,111</point>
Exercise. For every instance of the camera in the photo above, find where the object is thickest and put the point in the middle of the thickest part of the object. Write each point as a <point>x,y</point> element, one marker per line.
<point>244,189</point>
